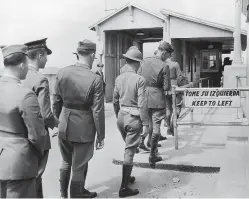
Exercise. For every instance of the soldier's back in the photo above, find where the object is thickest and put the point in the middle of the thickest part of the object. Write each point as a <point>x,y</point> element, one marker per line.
<point>151,70</point>
<point>76,87</point>
<point>127,84</point>
<point>18,160</point>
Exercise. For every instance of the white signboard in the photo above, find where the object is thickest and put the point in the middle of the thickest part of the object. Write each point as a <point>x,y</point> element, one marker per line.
<point>220,97</point>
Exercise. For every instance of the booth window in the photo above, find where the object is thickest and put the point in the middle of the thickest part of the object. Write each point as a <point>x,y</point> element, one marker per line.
<point>209,61</point>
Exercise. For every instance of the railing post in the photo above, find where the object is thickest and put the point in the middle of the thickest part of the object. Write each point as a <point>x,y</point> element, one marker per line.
<point>175,116</point>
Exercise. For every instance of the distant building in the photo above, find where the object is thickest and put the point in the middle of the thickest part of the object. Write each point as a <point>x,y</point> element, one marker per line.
<point>199,42</point>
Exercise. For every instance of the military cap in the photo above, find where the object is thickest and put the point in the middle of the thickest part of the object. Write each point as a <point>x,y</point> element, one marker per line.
<point>165,46</point>
<point>39,44</point>
<point>12,49</point>
<point>86,46</point>
<point>134,54</point>
<point>2,46</point>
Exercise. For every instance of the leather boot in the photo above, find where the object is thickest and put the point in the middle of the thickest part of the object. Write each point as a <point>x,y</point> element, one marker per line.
<point>149,145</point>
<point>142,146</point>
<point>64,182</point>
<point>124,190</point>
<point>77,190</point>
<point>162,138</point>
<point>153,158</point>
<point>39,189</point>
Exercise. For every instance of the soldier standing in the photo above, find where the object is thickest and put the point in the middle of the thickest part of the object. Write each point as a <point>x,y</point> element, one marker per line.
<point>38,52</point>
<point>22,131</point>
<point>175,71</point>
<point>157,75</point>
<point>79,104</point>
<point>99,72</point>
<point>131,111</point>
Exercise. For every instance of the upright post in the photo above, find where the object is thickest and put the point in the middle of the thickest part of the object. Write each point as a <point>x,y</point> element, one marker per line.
<point>175,116</point>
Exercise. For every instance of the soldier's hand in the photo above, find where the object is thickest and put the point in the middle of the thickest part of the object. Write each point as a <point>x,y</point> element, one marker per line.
<point>99,144</point>
<point>145,130</point>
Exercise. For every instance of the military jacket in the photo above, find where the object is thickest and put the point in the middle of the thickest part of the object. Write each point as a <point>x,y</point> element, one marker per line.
<point>40,85</point>
<point>157,76</point>
<point>174,69</point>
<point>22,132</point>
<point>129,91</point>
<point>79,104</point>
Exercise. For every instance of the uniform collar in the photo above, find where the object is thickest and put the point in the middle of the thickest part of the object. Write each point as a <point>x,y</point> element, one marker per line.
<point>78,63</point>
<point>33,68</point>
<point>129,69</point>
<point>10,78</point>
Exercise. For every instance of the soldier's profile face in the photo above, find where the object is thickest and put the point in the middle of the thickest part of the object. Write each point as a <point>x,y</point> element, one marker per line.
<point>43,60</point>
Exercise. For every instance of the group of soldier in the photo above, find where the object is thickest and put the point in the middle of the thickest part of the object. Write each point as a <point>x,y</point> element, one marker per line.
<point>142,99</point>
<point>141,95</point>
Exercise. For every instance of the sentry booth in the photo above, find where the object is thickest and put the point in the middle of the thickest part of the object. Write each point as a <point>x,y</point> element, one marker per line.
<point>199,44</point>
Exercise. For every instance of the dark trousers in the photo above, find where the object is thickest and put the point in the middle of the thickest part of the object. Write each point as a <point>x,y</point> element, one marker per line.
<point>168,110</point>
<point>75,156</point>
<point>18,188</point>
<point>130,128</point>
<point>42,166</point>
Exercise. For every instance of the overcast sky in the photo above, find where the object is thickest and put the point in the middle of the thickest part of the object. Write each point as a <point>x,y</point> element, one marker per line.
<point>65,22</point>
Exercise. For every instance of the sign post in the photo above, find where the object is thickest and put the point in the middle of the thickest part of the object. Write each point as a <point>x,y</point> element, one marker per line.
<point>175,116</point>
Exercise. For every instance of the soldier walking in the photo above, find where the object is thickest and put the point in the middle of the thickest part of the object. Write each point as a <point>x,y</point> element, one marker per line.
<point>22,132</point>
<point>175,72</point>
<point>38,52</point>
<point>157,75</point>
<point>79,104</point>
<point>130,106</point>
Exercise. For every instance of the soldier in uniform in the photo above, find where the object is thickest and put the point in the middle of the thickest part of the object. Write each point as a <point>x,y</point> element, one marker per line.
<point>22,132</point>
<point>100,73</point>
<point>131,110</point>
<point>38,52</point>
<point>157,75</point>
<point>175,71</point>
<point>79,104</point>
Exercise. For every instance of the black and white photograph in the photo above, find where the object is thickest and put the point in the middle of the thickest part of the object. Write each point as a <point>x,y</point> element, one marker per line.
<point>124,99</point>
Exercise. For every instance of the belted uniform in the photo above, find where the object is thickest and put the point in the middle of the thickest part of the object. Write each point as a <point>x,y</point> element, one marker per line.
<point>79,104</point>
<point>157,76</point>
<point>22,136</point>
<point>39,84</point>
<point>130,107</point>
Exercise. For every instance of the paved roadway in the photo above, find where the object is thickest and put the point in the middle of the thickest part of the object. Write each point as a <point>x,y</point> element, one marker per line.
<point>105,177</point>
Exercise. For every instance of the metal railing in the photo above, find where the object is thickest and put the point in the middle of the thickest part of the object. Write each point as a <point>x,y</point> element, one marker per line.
<point>192,123</point>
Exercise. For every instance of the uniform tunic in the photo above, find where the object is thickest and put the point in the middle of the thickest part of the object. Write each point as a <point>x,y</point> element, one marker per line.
<point>22,138</point>
<point>131,109</point>
<point>157,76</point>
<point>79,104</point>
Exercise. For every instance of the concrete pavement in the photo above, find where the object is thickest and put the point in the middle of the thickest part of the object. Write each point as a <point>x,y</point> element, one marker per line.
<point>199,148</point>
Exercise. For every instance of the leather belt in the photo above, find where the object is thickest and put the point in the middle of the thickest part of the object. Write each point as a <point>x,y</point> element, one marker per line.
<point>131,110</point>
<point>79,107</point>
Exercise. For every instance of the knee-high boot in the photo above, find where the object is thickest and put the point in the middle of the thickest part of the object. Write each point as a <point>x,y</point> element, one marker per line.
<point>39,188</point>
<point>153,158</point>
<point>64,182</point>
<point>142,145</point>
<point>124,190</point>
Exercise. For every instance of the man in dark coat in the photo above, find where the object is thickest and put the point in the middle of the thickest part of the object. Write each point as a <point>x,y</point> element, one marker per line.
<point>79,104</point>
<point>22,132</point>
<point>38,52</point>
<point>157,75</point>
<point>130,106</point>
<point>99,72</point>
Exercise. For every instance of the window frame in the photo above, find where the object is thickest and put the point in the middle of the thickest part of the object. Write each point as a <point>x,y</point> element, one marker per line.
<point>217,60</point>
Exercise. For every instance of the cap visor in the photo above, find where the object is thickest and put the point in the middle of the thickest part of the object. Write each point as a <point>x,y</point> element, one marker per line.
<point>132,58</point>
<point>49,52</point>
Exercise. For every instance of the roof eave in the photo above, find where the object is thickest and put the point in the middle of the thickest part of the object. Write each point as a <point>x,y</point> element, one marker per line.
<point>200,21</point>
